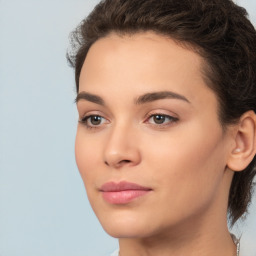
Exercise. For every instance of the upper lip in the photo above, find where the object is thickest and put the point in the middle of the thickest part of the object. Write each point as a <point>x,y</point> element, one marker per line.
<point>122,186</point>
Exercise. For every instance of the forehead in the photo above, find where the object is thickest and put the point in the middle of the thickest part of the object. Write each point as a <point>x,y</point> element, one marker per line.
<point>146,49</point>
<point>140,63</point>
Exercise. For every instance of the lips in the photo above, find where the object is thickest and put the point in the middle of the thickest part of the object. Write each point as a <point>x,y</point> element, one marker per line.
<point>122,192</point>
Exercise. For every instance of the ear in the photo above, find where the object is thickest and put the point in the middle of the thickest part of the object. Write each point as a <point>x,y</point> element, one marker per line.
<point>244,146</point>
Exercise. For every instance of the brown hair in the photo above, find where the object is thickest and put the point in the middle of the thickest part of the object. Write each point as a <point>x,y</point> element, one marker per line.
<point>218,30</point>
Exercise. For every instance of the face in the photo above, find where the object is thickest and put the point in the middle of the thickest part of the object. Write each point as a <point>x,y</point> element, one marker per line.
<point>149,145</point>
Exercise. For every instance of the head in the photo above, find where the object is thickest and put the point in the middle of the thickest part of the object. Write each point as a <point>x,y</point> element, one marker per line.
<point>222,41</point>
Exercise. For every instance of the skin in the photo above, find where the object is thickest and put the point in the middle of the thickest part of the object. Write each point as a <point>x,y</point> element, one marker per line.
<point>183,160</point>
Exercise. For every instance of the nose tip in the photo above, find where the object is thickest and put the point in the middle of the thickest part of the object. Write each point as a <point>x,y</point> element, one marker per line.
<point>121,149</point>
<point>122,158</point>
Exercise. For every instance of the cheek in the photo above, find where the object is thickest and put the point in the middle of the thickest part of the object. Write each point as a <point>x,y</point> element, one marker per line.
<point>188,163</point>
<point>86,156</point>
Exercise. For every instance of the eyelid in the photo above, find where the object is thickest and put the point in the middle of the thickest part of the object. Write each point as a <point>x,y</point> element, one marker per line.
<point>161,112</point>
<point>86,113</point>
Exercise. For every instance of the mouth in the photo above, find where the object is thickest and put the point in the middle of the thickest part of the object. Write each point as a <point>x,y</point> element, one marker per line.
<point>122,192</point>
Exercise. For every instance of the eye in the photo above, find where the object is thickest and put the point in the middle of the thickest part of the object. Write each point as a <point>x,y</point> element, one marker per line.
<point>161,119</point>
<point>93,121</point>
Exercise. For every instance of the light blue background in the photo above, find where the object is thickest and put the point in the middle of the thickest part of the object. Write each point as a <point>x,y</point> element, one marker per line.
<point>43,205</point>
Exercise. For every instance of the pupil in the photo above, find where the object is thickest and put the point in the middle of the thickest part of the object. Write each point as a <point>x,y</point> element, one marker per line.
<point>159,119</point>
<point>95,120</point>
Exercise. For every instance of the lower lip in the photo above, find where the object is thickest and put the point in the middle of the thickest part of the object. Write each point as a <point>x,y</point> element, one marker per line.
<point>123,197</point>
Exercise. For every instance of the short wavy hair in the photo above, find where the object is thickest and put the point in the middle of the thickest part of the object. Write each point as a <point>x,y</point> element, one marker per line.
<point>218,30</point>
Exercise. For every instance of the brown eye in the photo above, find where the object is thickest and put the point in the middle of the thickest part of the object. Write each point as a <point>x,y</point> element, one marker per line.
<point>95,120</point>
<point>159,119</point>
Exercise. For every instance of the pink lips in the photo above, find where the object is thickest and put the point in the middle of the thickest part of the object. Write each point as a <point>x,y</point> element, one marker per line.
<point>122,192</point>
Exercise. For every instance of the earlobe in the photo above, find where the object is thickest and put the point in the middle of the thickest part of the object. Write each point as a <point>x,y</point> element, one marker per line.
<point>245,143</point>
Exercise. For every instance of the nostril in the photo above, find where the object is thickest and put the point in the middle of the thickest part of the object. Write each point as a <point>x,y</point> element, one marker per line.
<point>117,164</point>
<point>125,161</point>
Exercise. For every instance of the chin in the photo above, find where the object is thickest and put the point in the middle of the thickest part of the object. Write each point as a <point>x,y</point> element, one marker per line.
<point>121,226</point>
<point>126,231</point>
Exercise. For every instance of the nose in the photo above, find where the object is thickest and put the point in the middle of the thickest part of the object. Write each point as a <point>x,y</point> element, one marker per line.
<point>122,148</point>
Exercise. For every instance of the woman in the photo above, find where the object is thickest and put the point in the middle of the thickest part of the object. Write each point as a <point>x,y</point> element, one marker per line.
<point>166,139</point>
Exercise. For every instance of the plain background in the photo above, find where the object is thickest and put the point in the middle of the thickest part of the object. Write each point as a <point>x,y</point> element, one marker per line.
<point>43,206</point>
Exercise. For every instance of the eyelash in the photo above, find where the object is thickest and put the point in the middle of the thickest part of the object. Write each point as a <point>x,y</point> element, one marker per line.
<point>85,120</point>
<point>172,119</point>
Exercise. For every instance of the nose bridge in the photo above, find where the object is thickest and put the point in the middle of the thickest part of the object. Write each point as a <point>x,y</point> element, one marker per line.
<point>121,146</point>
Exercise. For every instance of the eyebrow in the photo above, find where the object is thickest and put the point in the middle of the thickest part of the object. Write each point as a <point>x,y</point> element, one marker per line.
<point>149,97</point>
<point>145,98</point>
<point>89,97</point>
